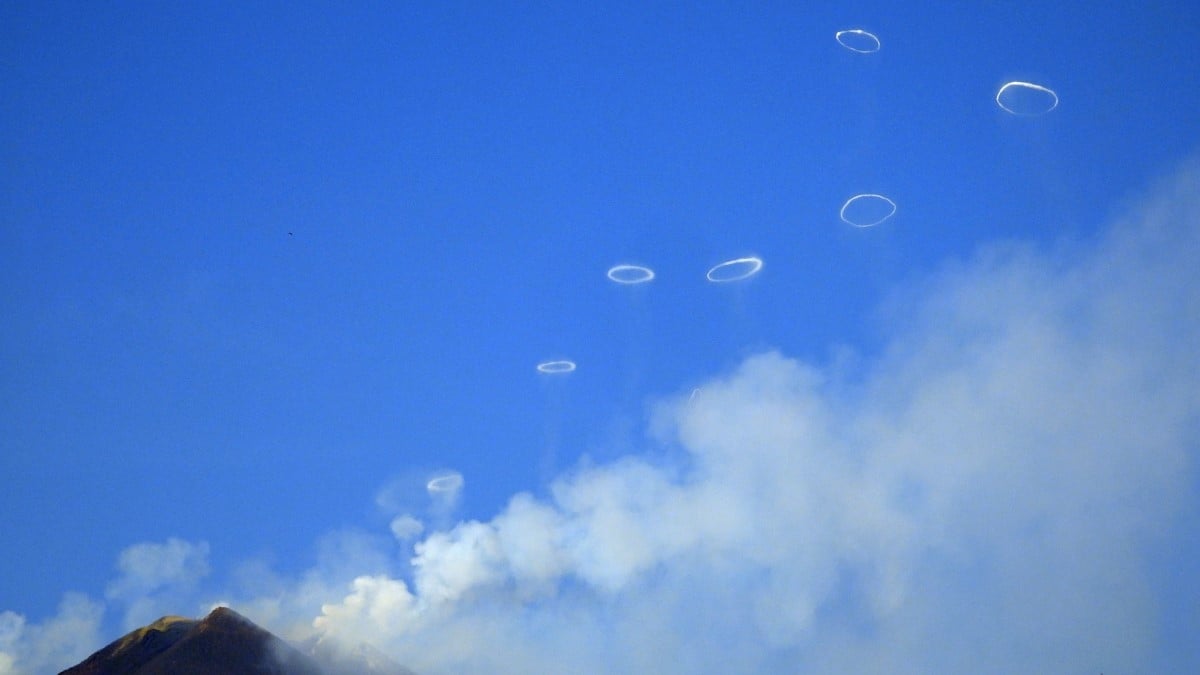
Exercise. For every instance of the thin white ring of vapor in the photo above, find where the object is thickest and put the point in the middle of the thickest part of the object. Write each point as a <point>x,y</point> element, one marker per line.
<point>556,367</point>
<point>754,263</point>
<point>842,213</point>
<point>450,482</point>
<point>857,32</point>
<point>1026,85</point>
<point>630,274</point>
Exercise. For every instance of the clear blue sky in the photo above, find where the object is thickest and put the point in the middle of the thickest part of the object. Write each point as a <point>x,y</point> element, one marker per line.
<point>261,261</point>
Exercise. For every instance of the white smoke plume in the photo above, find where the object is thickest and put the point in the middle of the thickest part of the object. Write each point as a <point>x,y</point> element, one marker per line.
<point>154,580</point>
<point>1002,489</point>
<point>156,577</point>
<point>989,495</point>
<point>54,644</point>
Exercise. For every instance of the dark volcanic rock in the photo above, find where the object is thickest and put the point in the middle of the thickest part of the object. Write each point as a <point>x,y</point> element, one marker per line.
<point>223,643</point>
<point>129,653</point>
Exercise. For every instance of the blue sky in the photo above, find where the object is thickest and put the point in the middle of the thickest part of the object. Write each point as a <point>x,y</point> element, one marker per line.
<point>267,270</point>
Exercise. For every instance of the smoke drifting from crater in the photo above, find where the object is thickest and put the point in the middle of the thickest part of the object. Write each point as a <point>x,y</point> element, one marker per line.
<point>1008,486</point>
<point>988,494</point>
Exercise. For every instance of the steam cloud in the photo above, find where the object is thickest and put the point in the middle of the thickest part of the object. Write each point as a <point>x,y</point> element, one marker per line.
<point>47,647</point>
<point>154,574</point>
<point>986,496</point>
<point>996,492</point>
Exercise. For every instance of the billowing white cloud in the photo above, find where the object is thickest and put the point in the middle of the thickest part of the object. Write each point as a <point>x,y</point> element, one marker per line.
<point>984,496</point>
<point>54,644</point>
<point>11,627</point>
<point>996,491</point>
<point>155,578</point>
<point>148,567</point>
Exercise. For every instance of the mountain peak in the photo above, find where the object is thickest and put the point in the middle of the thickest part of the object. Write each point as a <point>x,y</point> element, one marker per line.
<point>222,643</point>
<point>225,618</point>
